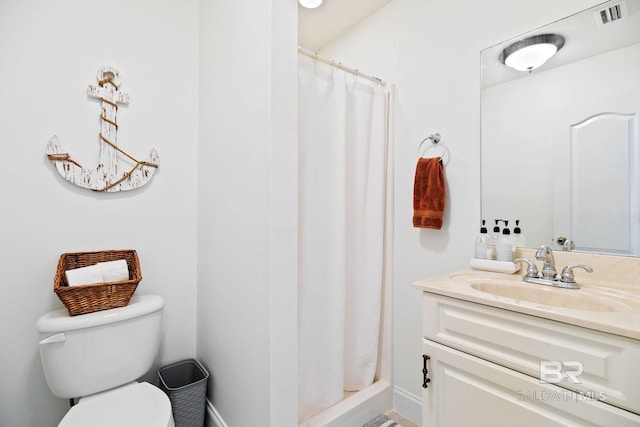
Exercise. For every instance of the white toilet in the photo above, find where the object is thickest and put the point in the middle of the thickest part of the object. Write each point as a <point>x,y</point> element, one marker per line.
<point>98,357</point>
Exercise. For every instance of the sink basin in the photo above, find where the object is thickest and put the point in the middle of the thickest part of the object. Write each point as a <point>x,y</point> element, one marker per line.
<point>565,298</point>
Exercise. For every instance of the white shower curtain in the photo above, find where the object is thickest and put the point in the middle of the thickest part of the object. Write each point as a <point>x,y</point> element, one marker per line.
<point>343,132</point>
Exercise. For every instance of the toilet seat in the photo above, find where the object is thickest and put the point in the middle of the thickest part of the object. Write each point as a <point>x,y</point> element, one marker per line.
<point>132,405</point>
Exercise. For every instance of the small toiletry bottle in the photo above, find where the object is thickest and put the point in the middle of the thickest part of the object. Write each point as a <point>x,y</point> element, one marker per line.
<point>493,240</point>
<point>518,238</point>
<point>504,247</point>
<point>481,242</point>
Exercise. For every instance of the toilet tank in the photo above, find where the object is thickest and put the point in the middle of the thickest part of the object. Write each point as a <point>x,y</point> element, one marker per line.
<point>89,353</point>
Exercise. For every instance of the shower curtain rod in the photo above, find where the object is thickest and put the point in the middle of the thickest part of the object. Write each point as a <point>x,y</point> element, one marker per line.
<point>338,65</point>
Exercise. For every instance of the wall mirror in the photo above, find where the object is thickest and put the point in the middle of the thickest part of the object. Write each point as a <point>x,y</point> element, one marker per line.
<point>560,144</point>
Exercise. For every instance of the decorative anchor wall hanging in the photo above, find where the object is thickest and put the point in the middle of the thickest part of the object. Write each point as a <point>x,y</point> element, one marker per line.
<point>106,176</point>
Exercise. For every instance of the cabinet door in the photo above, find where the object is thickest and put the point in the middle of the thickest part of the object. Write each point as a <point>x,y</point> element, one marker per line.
<point>468,391</point>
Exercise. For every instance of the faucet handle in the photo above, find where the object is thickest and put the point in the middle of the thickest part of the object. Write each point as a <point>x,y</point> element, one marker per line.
<point>567,272</point>
<point>532,270</point>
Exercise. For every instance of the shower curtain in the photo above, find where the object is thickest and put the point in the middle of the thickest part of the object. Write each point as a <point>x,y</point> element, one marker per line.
<point>343,143</point>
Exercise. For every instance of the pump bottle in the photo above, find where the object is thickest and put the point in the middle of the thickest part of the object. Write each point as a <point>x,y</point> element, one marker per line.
<point>504,246</point>
<point>481,243</point>
<point>493,240</point>
<point>518,237</point>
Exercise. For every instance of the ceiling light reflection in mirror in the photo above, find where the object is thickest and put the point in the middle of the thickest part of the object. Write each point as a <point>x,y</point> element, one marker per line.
<point>310,4</point>
<point>532,52</point>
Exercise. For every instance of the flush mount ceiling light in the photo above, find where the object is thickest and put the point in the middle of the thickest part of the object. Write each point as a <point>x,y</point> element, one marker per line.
<point>310,4</point>
<point>530,53</point>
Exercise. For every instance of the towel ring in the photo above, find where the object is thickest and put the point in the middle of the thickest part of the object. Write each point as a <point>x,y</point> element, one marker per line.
<point>436,141</point>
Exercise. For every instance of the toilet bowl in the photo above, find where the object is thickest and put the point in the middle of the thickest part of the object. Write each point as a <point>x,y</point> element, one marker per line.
<point>98,357</point>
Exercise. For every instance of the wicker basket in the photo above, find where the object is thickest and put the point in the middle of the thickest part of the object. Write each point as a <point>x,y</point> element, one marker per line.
<point>84,299</point>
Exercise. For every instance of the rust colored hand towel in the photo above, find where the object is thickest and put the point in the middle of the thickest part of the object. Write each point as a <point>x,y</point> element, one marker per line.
<point>429,193</point>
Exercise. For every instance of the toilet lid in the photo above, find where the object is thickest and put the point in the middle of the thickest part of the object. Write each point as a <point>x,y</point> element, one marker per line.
<point>132,405</point>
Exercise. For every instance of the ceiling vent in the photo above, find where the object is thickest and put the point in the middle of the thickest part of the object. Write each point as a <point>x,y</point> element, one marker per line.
<point>612,13</point>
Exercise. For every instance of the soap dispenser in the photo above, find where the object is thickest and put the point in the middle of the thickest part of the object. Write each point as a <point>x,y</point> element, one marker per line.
<point>504,246</point>
<point>481,243</point>
<point>493,240</point>
<point>518,238</point>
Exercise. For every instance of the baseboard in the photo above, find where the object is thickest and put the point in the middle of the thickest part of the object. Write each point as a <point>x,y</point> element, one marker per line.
<point>407,404</point>
<point>213,418</point>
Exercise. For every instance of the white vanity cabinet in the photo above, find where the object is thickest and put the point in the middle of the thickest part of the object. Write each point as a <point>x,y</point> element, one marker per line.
<point>484,369</point>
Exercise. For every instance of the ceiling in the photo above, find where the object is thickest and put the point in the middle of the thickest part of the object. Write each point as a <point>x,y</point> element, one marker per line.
<point>318,27</point>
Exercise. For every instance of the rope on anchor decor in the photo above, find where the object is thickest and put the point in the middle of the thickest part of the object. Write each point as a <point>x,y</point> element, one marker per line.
<point>105,177</point>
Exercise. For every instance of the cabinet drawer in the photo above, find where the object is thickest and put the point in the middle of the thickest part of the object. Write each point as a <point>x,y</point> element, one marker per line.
<point>467,391</point>
<point>575,358</point>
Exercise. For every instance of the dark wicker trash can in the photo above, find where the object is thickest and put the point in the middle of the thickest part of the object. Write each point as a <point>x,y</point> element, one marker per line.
<point>185,383</point>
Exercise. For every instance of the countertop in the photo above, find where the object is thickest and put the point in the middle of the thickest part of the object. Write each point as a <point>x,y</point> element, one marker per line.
<point>611,307</point>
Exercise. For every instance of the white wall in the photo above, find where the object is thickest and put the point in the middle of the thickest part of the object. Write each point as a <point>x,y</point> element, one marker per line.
<point>50,52</point>
<point>247,280</point>
<point>431,52</point>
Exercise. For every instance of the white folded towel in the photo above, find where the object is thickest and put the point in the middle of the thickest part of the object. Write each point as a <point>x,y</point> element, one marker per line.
<point>109,271</point>
<point>84,275</point>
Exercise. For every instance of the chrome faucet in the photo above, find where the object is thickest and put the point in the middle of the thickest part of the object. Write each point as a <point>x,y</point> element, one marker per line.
<point>549,273</point>
<point>544,253</point>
